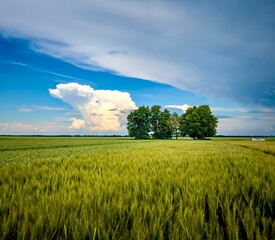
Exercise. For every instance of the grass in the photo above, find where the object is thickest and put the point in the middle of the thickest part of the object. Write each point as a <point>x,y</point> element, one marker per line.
<point>118,188</point>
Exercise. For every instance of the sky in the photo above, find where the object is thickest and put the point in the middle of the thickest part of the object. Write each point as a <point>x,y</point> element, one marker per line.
<point>79,67</point>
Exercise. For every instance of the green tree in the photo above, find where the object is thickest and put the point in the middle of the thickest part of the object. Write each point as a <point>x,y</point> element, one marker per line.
<point>160,123</point>
<point>165,125</point>
<point>198,122</point>
<point>139,123</point>
<point>175,121</point>
<point>155,120</point>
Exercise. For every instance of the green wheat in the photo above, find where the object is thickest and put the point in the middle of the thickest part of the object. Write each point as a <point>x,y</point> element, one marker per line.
<point>118,188</point>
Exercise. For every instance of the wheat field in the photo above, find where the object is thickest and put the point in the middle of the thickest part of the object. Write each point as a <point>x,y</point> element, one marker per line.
<point>119,188</point>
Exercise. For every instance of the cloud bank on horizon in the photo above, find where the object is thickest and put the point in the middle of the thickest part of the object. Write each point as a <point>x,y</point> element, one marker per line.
<point>102,110</point>
<point>222,50</point>
<point>183,107</point>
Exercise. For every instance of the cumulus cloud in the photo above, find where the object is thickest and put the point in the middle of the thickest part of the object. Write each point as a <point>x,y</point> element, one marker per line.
<point>102,110</point>
<point>183,107</point>
<point>77,123</point>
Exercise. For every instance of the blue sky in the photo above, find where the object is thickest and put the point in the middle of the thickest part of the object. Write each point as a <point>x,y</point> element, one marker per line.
<point>79,67</point>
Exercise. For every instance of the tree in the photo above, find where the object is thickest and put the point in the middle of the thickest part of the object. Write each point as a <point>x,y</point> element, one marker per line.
<point>175,121</point>
<point>144,120</point>
<point>198,122</point>
<point>160,123</point>
<point>155,120</point>
<point>139,123</point>
<point>165,125</point>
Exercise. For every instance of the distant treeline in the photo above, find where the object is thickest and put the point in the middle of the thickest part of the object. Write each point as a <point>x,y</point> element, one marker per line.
<point>64,135</point>
<point>244,136</point>
<point>99,136</point>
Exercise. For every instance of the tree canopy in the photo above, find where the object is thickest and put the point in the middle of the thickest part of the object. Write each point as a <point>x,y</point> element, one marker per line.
<point>197,122</point>
<point>175,121</point>
<point>160,123</point>
<point>139,123</point>
<point>144,120</point>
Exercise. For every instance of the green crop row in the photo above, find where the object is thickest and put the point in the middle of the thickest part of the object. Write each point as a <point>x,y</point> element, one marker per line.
<point>89,188</point>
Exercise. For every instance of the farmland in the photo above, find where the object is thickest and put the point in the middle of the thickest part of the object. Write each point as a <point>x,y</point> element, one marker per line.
<point>119,188</point>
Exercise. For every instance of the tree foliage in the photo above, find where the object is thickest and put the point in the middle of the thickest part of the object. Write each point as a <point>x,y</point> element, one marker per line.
<point>144,120</point>
<point>161,125</point>
<point>197,122</point>
<point>139,123</point>
<point>175,121</point>
<point>155,120</point>
<point>165,125</point>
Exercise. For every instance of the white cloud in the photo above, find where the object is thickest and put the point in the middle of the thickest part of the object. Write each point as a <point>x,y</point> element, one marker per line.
<point>224,109</point>
<point>15,63</point>
<point>32,128</point>
<point>77,123</point>
<point>102,110</point>
<point>183,107</point>
<point>251,110</point>
<point>37,107</point>
<point>245,125</point>
<point>25,109</point>
<point>47,108</point>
